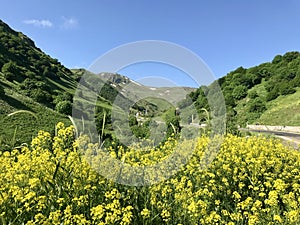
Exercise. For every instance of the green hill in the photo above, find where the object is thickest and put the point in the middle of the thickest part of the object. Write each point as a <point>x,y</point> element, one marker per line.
<point>267,93</point>
<point>285,110</point>
<point>30,81</point>
<point>36,92</point>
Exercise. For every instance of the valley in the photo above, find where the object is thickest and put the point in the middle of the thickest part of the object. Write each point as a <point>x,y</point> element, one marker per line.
<point>31,80</point>
<point>99,148</point>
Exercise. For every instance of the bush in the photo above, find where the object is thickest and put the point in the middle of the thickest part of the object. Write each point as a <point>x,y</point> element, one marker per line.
<point>252,94</point>
<point>273,94</point>
<point>64,107</point>
<point>41,96</point>
<point>257,105</point>
<point>12,71</point>
<point>239,92</point>
<point>286,89</point>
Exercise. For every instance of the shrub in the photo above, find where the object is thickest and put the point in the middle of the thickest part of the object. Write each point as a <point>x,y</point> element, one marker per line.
<point>273,94</point>
<point>252,94</point>
<point>64,107</point>
<point>286,88</point>
<point>41,96</point>
<point>9,70</point>
<point>257,105</point>
<point>239,92</point>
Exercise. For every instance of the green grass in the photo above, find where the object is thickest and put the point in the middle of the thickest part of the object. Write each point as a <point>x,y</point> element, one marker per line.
<point>23,126</point>
<point>285,110</point>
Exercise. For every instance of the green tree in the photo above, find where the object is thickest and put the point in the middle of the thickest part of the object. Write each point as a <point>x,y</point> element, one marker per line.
<point>296,80</point>
<point>231,123</point>
<point>257,105</point>
<point>271,85</point>
<point>229,100</point>
<point>290,56</point>
<point>273,94</point>
<point>200,98</point>
<point>240,70</point>
<point>255,79</point>
<point>277,59</point>
<point>239,92</point>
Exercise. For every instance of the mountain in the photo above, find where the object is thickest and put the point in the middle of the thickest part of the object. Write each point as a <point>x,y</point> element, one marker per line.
<point>36,92</point>
<point>32,84</point>
<point>131,101</point>
<point>113,85</point>
<point>267,94</point>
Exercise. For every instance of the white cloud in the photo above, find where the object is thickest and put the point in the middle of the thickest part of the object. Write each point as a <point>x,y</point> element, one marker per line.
<point>69,23</point>
<point>39,23</point>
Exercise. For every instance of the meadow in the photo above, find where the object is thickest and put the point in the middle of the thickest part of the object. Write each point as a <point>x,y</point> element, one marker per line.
<point>252,180</point>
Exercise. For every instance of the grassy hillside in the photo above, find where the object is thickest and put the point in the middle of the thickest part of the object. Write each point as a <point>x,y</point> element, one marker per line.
<point>33,82</point>
<point>266,93</point>
<point>285,110</point>
<point>19,128</point>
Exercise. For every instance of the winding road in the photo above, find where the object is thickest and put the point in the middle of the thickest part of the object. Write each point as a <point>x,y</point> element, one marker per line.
<point>289,137</point>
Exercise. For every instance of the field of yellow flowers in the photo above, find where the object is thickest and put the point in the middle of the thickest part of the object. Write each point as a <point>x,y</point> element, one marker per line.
<point>251,180</point>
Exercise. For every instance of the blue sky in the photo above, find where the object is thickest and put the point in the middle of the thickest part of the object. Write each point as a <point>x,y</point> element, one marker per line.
<point>226,34</point>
